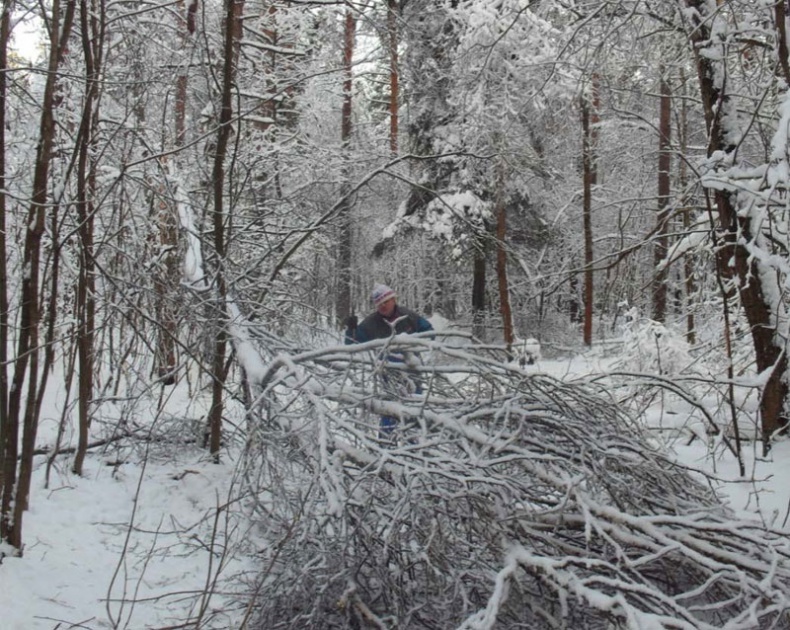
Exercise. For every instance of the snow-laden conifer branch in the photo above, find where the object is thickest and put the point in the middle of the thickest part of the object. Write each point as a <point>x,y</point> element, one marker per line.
<point>503,499</point>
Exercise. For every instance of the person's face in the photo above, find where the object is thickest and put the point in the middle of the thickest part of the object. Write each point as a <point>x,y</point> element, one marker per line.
<point>386,307</point>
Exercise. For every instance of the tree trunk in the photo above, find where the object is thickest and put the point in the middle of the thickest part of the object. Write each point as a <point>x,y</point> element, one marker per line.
<point>664,165</point>
<point>688,261</point>
<point>91,46</point>
<point>780,14</point>
<point>343,297</point>
<point>166,275</point>
<point>232,32</point>
<point>573,299</point>
<point>588,180</point>
<point>392,32</point>
<point>188,22</point>
<point>16,487</point>
<point>501,262</point>
<point>769,351</point>
<point>5,34</point>
<point>479,293</point>
<point>165,278</point>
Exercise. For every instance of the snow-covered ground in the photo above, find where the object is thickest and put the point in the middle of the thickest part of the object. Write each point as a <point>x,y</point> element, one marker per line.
<point>120,533</point>
<point>137,541</point>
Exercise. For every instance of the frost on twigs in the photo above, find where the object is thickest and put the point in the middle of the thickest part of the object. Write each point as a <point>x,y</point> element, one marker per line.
<point>503,500</point>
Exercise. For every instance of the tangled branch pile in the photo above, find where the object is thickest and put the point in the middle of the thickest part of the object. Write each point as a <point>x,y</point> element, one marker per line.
<point>505,500</point>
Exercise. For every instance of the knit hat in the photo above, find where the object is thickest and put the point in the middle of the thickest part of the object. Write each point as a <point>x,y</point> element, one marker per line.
<point>381,293</point>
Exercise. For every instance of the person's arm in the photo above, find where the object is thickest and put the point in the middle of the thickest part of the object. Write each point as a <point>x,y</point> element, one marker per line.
<point>357,333</point>
<point>351,330</point>
<point>423,325</point>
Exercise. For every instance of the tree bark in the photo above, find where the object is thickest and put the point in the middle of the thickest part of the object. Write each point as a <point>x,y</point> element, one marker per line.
<point>166,274</point>
<point>92,33</point>
<point>343,296</point>
<point>5,35</point>
<point>479,293</point>
<point>688,261</point>
<point>16,487</point>
<point>664,165</point>
<point>392,32</point>
<point>188,24</point>
<point>780,14</point>
<point>501,262</point>
<point>233,11</point>
<point>589,177</point>
<point>734,257</point>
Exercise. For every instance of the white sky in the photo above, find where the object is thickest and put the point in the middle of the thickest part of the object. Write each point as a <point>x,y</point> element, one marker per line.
<point>26,40</point>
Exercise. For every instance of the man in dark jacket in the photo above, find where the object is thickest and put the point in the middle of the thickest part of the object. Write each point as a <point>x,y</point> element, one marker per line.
<point>389,319</point>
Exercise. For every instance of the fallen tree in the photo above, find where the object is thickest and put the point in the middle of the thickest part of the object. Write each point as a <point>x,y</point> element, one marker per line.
<point>505,499</point>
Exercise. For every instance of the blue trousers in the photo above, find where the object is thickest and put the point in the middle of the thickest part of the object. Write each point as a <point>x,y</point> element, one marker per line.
<point>388,424</point>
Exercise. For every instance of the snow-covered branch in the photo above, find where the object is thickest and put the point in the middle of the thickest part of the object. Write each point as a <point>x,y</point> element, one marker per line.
<point>503,496</point>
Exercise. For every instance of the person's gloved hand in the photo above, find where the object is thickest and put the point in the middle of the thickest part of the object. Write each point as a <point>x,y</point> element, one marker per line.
<point>351,322</point>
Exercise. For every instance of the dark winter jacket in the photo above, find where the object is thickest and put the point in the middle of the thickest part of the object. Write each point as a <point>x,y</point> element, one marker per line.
<point>376,326</point>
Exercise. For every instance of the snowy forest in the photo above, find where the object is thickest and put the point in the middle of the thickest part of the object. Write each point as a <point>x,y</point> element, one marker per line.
<point>589,201</point>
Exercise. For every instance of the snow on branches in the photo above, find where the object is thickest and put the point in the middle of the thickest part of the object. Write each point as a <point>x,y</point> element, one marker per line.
<point>503,499</point>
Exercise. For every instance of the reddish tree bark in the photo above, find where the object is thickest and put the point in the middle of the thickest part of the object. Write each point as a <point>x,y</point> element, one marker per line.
<point>232,35</point>
<point>188,23</point>
<point>392,32</point>
<point>734,258</point>
<point>16,484</point>
<point>91,34</point>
